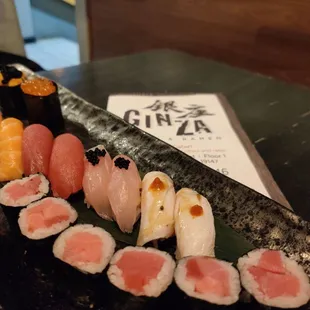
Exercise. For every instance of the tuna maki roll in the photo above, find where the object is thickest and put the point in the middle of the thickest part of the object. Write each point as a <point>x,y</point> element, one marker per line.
<point>43,105</point>
<point>141,271</point>
<point>11,99</point>
<point>20,193</point>
<point>46,217</point>
<point>274,279</point>
<point>85,247</point>
<point>209,279</point>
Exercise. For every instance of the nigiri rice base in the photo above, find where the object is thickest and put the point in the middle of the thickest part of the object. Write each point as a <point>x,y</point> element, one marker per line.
<point>85,265</point>
<point>60,224</point>
<point>291,267</point>
<point>188,285</point>
<point>153,287</point>
<point>22,198</point>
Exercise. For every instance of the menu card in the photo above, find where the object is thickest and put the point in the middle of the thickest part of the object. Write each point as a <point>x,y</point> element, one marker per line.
<point>195,124</point>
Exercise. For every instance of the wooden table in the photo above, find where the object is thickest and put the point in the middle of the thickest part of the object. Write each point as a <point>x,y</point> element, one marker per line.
<point>275,115</point>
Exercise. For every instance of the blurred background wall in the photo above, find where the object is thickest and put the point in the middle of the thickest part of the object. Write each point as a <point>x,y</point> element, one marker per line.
<point>270,37</point>
<point>10,34</point>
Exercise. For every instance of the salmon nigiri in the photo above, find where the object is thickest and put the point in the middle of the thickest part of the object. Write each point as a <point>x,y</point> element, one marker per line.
<point>98,165</point>
<point>124,192</point>
<point>11,167</point>
<point>37,148</point>
<point>66,167</point>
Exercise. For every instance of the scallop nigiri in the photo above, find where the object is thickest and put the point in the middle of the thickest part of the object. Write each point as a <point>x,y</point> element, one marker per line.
<point>11,166</point>
<point>194,224</point>
<point>98,165</point>
<point>157,207</point>
<point>124,192</point>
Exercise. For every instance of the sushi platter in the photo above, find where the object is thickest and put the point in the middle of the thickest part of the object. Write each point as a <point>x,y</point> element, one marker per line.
<point>97,214</point>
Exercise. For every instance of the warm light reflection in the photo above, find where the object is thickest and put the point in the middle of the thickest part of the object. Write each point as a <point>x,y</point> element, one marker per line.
<point>72,2</point>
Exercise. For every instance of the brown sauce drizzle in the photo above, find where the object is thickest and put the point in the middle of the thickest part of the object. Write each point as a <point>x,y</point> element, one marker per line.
<point>196,210</point>
<point>157,185</point>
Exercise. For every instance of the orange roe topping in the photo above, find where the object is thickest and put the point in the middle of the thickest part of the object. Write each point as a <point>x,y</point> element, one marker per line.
<point>157,185</point>
<point>38,87</point>
<point>196,210</point>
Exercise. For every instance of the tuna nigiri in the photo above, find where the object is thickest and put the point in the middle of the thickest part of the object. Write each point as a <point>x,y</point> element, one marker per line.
<point>124,192</point>
<point>157,207</point>
<point>194,224</point>
<point>98,165</point>
<point>37,148</point>
<point>11,167</point>
<point>66,167</point>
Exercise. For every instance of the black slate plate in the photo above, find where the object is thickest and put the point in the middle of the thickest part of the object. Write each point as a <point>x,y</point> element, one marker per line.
<point>31,278</point>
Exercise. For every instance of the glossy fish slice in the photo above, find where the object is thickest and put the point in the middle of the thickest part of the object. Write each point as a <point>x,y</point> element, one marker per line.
<point>124,192</point>
<point>11,167</point>
<point>98,165</point>
<point>194,224</point>
<point>37,149</point>
<point>157,207</point>
<point>66,168</point>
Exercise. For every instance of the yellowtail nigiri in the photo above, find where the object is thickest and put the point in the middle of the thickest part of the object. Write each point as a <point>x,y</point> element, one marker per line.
<point>124,192</point>
<point>157,207</point>
<point>98,166</point>
<point>11,166</point>
<point>194,224</point>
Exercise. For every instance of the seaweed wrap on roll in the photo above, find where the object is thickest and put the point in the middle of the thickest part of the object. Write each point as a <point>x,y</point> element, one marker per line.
<point>11,99</point>
<point>43,105</point>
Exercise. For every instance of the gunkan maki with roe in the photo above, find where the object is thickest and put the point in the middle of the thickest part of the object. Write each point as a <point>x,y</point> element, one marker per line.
<point>11,99</point>
<point>43,105</point>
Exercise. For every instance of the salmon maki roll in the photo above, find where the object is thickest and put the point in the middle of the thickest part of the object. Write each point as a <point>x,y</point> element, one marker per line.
<point>194,224</point>
<point>11,166</point>
<point>274,279</point>
<point>209,279</point>
<point>37,147</point>
<point>66,168</point>
<point>124,192</point>
<point>98,166</point>
<point>157,208</point>
<point>46,217</point>
<point>141,271</point>
<point>20,193</point>
<point>85,247</point>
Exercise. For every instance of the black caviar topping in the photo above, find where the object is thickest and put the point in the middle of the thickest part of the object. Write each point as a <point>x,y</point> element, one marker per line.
<point>122,163</point>
<point>9,72</point>
<point>93,155</point>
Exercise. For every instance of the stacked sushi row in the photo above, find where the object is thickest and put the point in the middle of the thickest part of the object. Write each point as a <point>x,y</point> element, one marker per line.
<point>114,189</point>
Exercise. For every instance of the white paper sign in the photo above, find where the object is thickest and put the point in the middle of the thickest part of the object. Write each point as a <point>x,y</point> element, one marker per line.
<point>195,124</point>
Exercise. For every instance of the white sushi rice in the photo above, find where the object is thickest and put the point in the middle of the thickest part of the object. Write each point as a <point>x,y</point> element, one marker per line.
<point>188,285</point>
<point>6,200</point>
<point>248,282</point>
<point>42,233</point>
<point>108,247</point>
<point>156,286</point>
